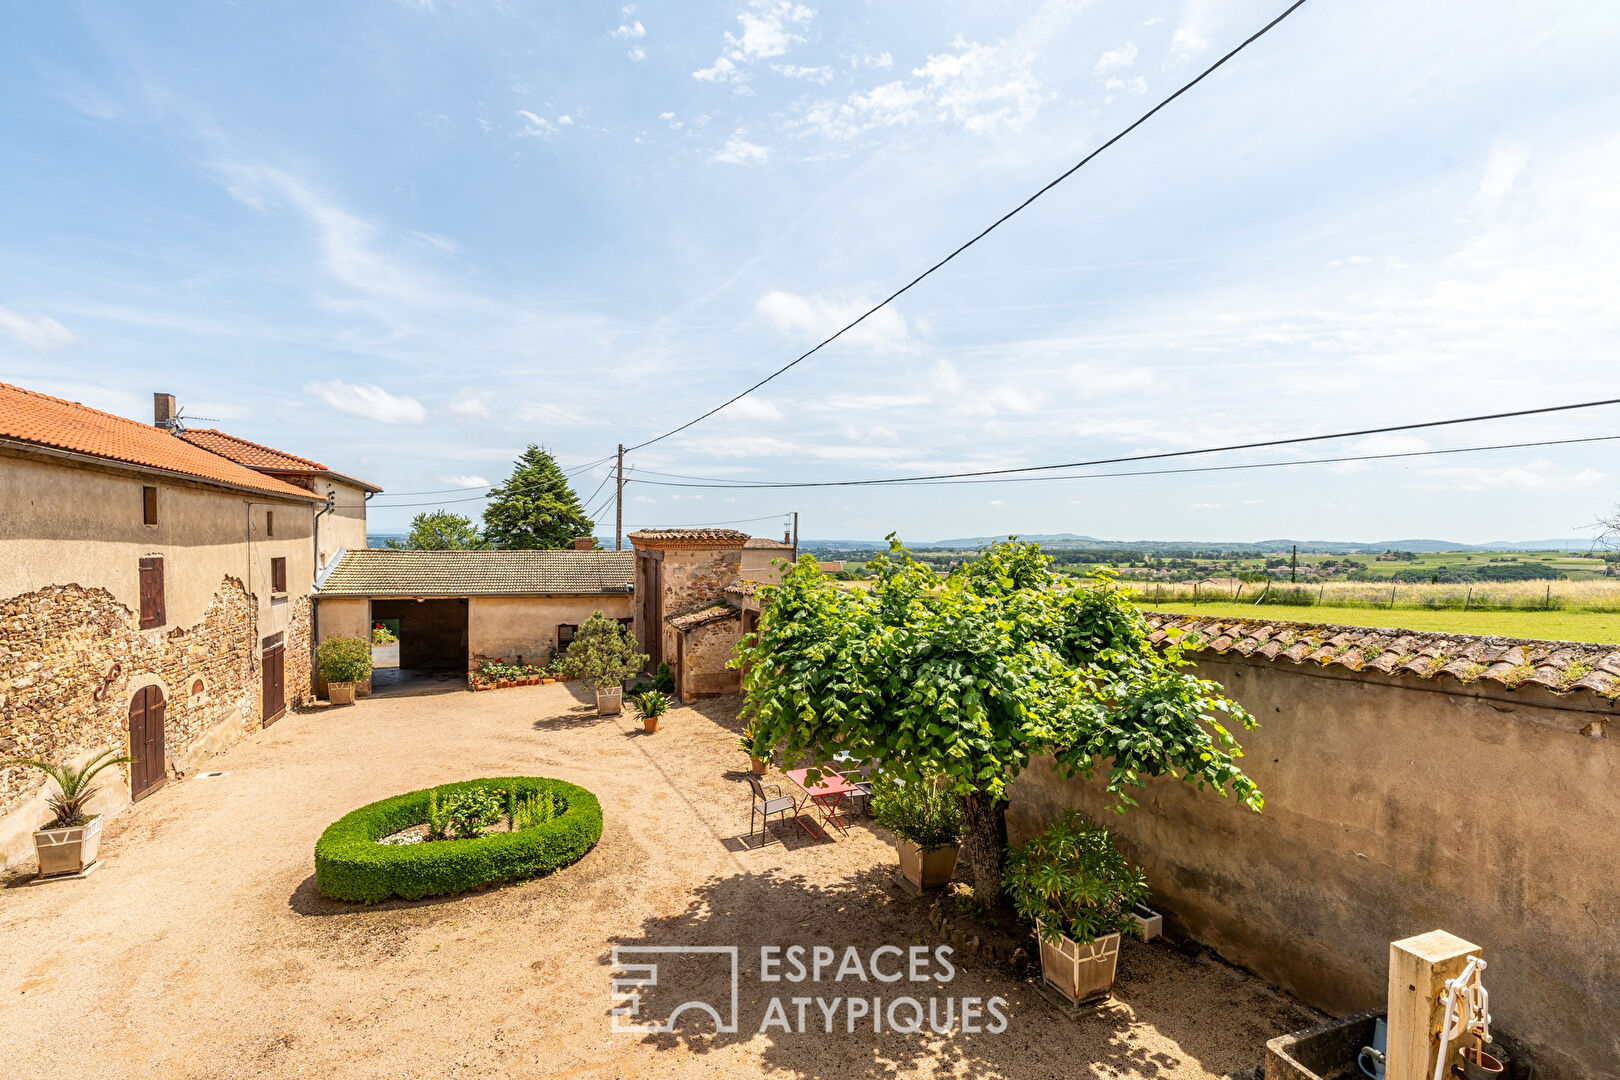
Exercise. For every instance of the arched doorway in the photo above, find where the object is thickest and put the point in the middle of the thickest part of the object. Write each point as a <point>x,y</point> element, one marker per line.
<point>146,772</point>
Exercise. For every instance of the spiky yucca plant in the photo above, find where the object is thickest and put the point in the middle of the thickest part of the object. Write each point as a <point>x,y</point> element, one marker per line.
<point>73,784</point>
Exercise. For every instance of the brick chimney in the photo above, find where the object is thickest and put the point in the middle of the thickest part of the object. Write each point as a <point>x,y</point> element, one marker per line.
<point>584,543</point>
<point>163,411</point>
<point>787,536</point>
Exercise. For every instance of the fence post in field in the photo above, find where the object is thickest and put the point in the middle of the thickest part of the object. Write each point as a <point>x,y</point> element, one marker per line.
<point>1195,594</point>
<point>1548,605</point>
<point>1392,598</point>
<point>1469,597</point>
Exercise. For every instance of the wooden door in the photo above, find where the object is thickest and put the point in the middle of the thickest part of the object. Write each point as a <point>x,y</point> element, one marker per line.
<point>146,772</point>
<point>275,685</point>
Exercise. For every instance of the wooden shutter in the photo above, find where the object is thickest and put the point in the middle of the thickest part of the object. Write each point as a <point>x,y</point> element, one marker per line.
<point>152,613</point>
<point>149,505</point>
<point>278,575</point>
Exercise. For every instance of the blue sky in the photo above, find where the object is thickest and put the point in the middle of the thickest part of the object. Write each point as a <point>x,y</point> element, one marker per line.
<point>410,238</point>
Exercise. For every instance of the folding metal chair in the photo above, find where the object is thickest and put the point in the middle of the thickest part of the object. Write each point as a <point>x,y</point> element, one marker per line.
<point>762,805</point>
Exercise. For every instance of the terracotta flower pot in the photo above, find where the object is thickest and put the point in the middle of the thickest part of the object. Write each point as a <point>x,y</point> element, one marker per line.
<point>930,869</point>
<point>69,850</point>
<point>758,766</point>
<point>1079,972</point>
<point>649,724</point>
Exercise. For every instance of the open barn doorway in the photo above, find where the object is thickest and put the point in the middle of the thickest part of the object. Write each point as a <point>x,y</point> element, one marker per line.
<point>432,645</point>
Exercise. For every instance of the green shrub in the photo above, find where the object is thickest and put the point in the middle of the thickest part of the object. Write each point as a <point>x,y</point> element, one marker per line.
<point>664,679</point>
<point>527,811</point>
<point>1073,881</point>
<point>925,814</point>
<point>652,704</point>
<point>351,865</point>
<point>602,654</point>
<point>344,659</point>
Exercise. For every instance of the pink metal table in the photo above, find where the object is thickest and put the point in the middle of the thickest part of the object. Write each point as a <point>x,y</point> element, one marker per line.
<point>826,794</point>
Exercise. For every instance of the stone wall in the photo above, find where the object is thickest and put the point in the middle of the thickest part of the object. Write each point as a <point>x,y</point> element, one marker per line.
<point>1395,806</point>
<point>298,654</point>
<point>694,579</point>
<point>706,653</point>
<point>72,658</point>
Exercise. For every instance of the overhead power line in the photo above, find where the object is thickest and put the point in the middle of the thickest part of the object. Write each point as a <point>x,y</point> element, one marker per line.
<point>1237,467</point>
<point>1228,448</point>
<point>986,231</point>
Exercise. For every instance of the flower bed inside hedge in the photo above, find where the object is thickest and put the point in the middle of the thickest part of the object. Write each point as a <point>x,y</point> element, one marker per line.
<point>350,864</point>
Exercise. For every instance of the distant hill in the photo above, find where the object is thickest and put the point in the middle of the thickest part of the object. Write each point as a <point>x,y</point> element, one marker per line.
<point>1075,542</point>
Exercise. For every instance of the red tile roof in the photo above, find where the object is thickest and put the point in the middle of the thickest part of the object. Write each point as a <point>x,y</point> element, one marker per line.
<point>251,454</point>
<point>688,538</point>
<point>1558,666</point>
<point>40,420</point>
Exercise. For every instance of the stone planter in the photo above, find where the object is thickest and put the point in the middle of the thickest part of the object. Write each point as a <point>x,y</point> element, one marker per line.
<point>340,693</point>
<point>758,766</point>
<point>609,700</point>
<point>1080,973</point>
<point>930,869</point>
<point>69,850</point>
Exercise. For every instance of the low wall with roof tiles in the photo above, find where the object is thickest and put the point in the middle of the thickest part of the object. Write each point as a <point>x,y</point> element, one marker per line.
<point>1412,782</point>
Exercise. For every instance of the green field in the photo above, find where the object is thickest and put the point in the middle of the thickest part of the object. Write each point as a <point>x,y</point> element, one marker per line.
<point>1602,627</point>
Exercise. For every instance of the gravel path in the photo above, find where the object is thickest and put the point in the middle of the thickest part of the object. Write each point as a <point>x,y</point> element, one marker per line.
<point>201,948</point>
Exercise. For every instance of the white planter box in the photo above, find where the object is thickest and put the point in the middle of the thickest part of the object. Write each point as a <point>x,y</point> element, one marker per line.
<point>69,850</point>
<point>609,701</point>
<point>1146,923</point>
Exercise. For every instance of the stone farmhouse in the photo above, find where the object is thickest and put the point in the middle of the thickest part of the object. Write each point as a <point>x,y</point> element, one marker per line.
<point>154,590</point>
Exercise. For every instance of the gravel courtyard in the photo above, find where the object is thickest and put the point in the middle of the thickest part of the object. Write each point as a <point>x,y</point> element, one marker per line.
<point>201,948</point>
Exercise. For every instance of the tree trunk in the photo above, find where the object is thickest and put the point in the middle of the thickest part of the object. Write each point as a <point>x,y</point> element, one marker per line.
<point>984,842</point>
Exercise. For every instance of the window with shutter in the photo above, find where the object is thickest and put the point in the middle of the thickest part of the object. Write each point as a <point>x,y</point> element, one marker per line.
<point>149,505</point>
<point>152,613</point>
<point>278,575</point>
<point>269,523</point>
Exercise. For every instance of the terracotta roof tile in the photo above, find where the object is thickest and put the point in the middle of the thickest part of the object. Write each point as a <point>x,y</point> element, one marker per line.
<point>756,543</point>
<point>388,572</point>
<point>41,420</point>
<point>245,452</point>
<point>740,587</point>
<point>1561,666</point>
<point>688,538</point>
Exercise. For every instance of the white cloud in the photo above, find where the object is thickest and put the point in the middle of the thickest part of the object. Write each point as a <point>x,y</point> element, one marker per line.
<point>721,71</point>
<point>464,480</point>
<point>468,403</point>
<point>997,502</point>
<point>1192,31</point>
<point>538,125</point>
<point>636,55</point>
<point>1538,475</point>
<point>883,61</point>
<point>754,408</point>
<point>817,317</point>
<point>1090,379</point>
<point>36,331</point>
<point>1115,59</point>
<point>820,75</point>
<point>983,87</point>
<point>368,402</point>
<point>739,151</point>
<point>631,31</point>
<point>646,499</point>
<point>769,27</point>
<point>1206,506</point>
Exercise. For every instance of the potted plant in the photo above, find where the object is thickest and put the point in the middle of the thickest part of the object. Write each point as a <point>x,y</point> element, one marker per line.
<point>651,704</point>
<point>604,656</point>
<point>67,844</point>
<point>1076,887</point>
<point>343,661</point>
<point>745,742</point>
<point>926,820</point>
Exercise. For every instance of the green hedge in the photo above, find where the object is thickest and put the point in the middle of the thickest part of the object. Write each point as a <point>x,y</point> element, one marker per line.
<point>351,865</point>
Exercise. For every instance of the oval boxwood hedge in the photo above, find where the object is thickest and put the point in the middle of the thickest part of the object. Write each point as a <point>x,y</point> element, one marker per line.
<point>351,865</point>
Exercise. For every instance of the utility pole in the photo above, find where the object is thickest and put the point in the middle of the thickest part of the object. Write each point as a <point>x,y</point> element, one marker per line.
<point>618,506</point>
<point>1293,568</point>
<point>795,536</point>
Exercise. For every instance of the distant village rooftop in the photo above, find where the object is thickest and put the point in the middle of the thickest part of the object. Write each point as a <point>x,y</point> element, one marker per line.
<point>387,572</point>
<point>39,422</point>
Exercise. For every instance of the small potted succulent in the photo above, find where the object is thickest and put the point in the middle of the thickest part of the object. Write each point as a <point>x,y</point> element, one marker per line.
<point>651,705</point>
<point>604,656</point>
<point>1079,891</point>
<point>68,843</point>
<point>343,662</point>
<point>926,820</point>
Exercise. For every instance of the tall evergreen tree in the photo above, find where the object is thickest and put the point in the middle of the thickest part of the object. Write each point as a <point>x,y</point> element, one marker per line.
<point>535,507</point>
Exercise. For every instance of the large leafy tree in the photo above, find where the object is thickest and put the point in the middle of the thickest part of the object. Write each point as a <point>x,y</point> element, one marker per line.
<point>440,530</point>
<point>535,507</point>
<point>970,676</point>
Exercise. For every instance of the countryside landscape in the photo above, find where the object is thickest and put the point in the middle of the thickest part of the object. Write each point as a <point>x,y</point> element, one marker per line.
<point>810,540</point>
